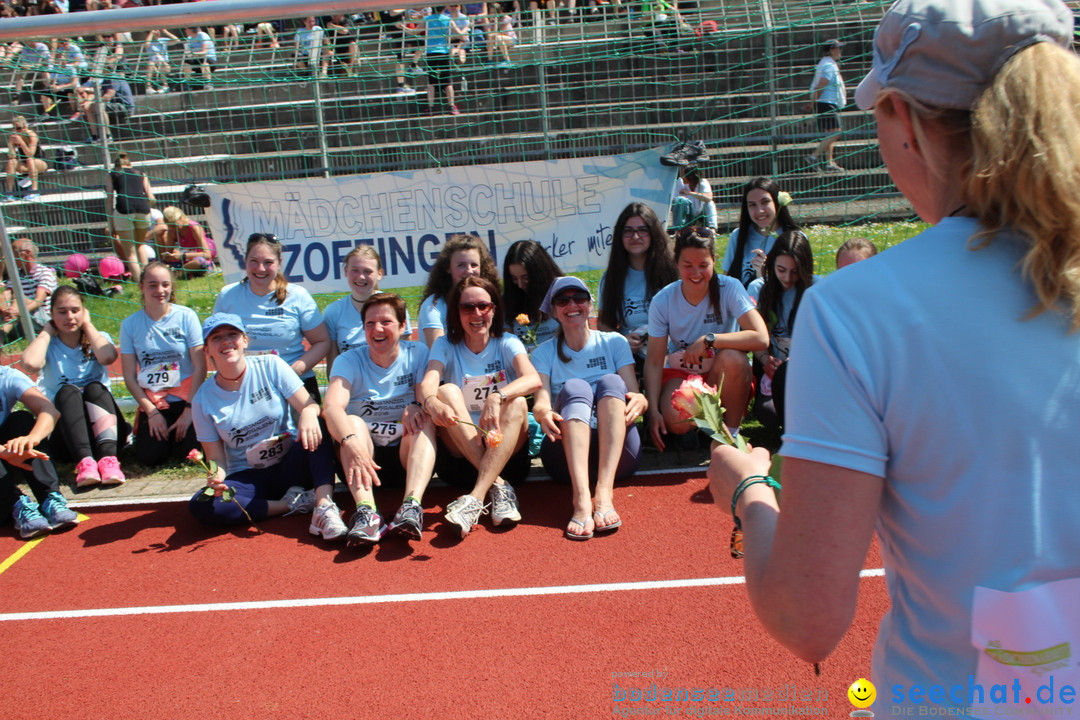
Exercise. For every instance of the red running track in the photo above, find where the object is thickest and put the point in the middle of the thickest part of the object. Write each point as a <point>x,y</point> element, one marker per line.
<point>324,641</point>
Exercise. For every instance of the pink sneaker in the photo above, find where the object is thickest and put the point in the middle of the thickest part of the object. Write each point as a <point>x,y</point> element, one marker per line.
<point>111,474</point>
<point>86,473</point>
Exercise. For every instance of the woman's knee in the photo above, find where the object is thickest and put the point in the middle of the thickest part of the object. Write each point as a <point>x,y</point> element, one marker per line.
<point>611,385</point>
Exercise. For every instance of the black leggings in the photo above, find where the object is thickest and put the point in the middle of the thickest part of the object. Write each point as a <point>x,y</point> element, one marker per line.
<point>153,452</point>
<point>90,422</point>
<point>41,477</point>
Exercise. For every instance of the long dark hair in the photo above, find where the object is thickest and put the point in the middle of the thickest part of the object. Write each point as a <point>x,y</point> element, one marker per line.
<point>783,220</point>
<point>542,271</point>
<point>659,264</point>
<point>455,332</point>
<point>794,244</point>
<point>281,283</point>
<point>439,279</point>
<point>704,239</point>
<point>59,294</point>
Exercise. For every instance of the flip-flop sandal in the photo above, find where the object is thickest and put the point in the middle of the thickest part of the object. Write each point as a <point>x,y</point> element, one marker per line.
<point>603,516</point>
<point>571,536</point>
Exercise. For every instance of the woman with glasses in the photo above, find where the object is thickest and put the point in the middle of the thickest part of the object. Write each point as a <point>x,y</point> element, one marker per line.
<point>764,214</point>
<point>906,410</point>
<point>184,244</point>
<point>480,408</point>
<point>587,406</point>
<point>279,316</point>
<point>344,317</point>
<point>384,437</point>
<point>462,256</point>
<point>688,322</point>
<point>640,265</point>
<point>528,272</point>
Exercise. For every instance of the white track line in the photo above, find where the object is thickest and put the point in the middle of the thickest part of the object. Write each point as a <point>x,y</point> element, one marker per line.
<point>381,599</point>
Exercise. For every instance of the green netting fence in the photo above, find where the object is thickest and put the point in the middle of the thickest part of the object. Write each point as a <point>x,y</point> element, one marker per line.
<point>603,79</point>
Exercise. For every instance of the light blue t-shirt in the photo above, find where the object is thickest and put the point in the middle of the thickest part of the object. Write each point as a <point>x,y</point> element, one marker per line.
<point>272,327</point>
<point>432,314</point>
<point>670,314</point>
<point>346,325</point>
<point>604,353</point>
<point>201,41</point>
<point>257,410</point>
<point>478,374</point>
<point>13,384</point>
<point>162,342</point>
<point>545,330</point>
<point>634,313</point>
<point>970,413</point>
<point>779,326</point>
<point>68,366</point>
<point>756,241</point>
<point>834,92</point>
<point>380,394</point>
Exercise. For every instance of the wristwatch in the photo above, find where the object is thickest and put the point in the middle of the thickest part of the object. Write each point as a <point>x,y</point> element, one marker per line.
<point>709,340</point>
<point>500,393</point>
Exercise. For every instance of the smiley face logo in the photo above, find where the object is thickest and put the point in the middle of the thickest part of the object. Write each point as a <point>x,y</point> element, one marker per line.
<point>862,693</point>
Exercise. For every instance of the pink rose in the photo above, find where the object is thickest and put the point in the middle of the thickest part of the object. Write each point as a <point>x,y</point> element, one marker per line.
<point>685,403</point>
<point>493,438</point>
<point>195,456</point>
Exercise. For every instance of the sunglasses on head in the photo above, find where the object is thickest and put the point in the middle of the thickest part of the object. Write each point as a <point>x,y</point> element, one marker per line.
<point>468,308</point>
<point>580,298</point>
<point>262,237</point>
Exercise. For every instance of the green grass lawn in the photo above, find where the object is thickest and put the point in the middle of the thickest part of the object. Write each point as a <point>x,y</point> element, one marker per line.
<point>200,293</point>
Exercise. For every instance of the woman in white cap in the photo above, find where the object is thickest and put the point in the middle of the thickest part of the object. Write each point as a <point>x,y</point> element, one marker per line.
<point>910,417</point>
<point>243,417</point>
<point>588,407</point>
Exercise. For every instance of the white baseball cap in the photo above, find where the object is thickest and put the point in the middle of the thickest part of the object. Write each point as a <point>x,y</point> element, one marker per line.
<point>946,52</point>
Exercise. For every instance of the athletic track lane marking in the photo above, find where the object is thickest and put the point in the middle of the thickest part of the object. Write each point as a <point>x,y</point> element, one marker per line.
<point>379,599</point>
<point>27,547</point>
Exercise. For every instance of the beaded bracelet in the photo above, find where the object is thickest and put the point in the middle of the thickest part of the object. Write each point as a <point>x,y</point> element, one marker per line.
<point>736,533</point>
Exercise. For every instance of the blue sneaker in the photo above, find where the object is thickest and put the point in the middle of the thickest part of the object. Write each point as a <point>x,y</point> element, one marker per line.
<point>57,513</point>
<point>28,519</point>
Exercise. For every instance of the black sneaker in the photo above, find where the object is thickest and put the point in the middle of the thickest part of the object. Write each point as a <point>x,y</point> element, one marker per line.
<point>686,153</point>
<point>409,520</point>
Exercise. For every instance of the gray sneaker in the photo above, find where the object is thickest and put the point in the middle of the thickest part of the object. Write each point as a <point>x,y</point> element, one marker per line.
<point>326,521</point>
<point>504,504</point>
<point>299,500</point>
<point>57,513</point>
<point>28,519</point>
<point>366,527</point>
<point>409,520</point>
<point>464,512</point>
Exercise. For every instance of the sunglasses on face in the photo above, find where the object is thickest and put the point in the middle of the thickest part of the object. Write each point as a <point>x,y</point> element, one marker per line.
<point>468,308</point>
<point>578,298</point>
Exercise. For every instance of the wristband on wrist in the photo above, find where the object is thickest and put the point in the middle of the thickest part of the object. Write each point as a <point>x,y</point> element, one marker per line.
<point>736,533</point>
<point>417,404</point>
<point>347,437</point>
<point>428,398</point>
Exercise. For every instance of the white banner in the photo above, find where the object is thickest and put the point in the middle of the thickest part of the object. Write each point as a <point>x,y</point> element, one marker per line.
<point>568,206</point>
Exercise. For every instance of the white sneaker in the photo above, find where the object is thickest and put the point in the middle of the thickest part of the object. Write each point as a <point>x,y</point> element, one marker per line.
<point>326,521</point>
<point>504,504</point>
<point>299,500</point>
<point>464,512</point>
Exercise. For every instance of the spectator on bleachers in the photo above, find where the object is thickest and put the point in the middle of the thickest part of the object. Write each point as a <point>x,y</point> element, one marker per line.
<point>764,213</point>
<point>21,432</point>
<point>853,251</point>
<point>827,98</point>
<point>265,31</point>
<point>459,31</point>
<point>405,42</point>
<point>344,317</point>
<point>479,374</point>
<point>341,46</point>
<point>279,316</point>
<point>307,45</point>
<point>73,358</point>
<point>37,283</point>
<point>24,156</point>
<point>439,61</point>
<point>117,44</point>
<point>384,437</point>
<point>501,38</point>
<point>640,264</point>
<point>132,198</point>
<point>528,271</point>
<point>63,83</point>
<point>230,35</point>
<point>588,379</point>
<point>161,353</point>
<point>118,103</point>
<point>692,202</point>
<point>480,24</point>
<point>71,56</point>
<point>689,323</point>
<point>461,256</point>
<point>200,52</point>
<point>789,271</point>
<point>184,245</point>
<point>35,58</point>
<point>156,51</point>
